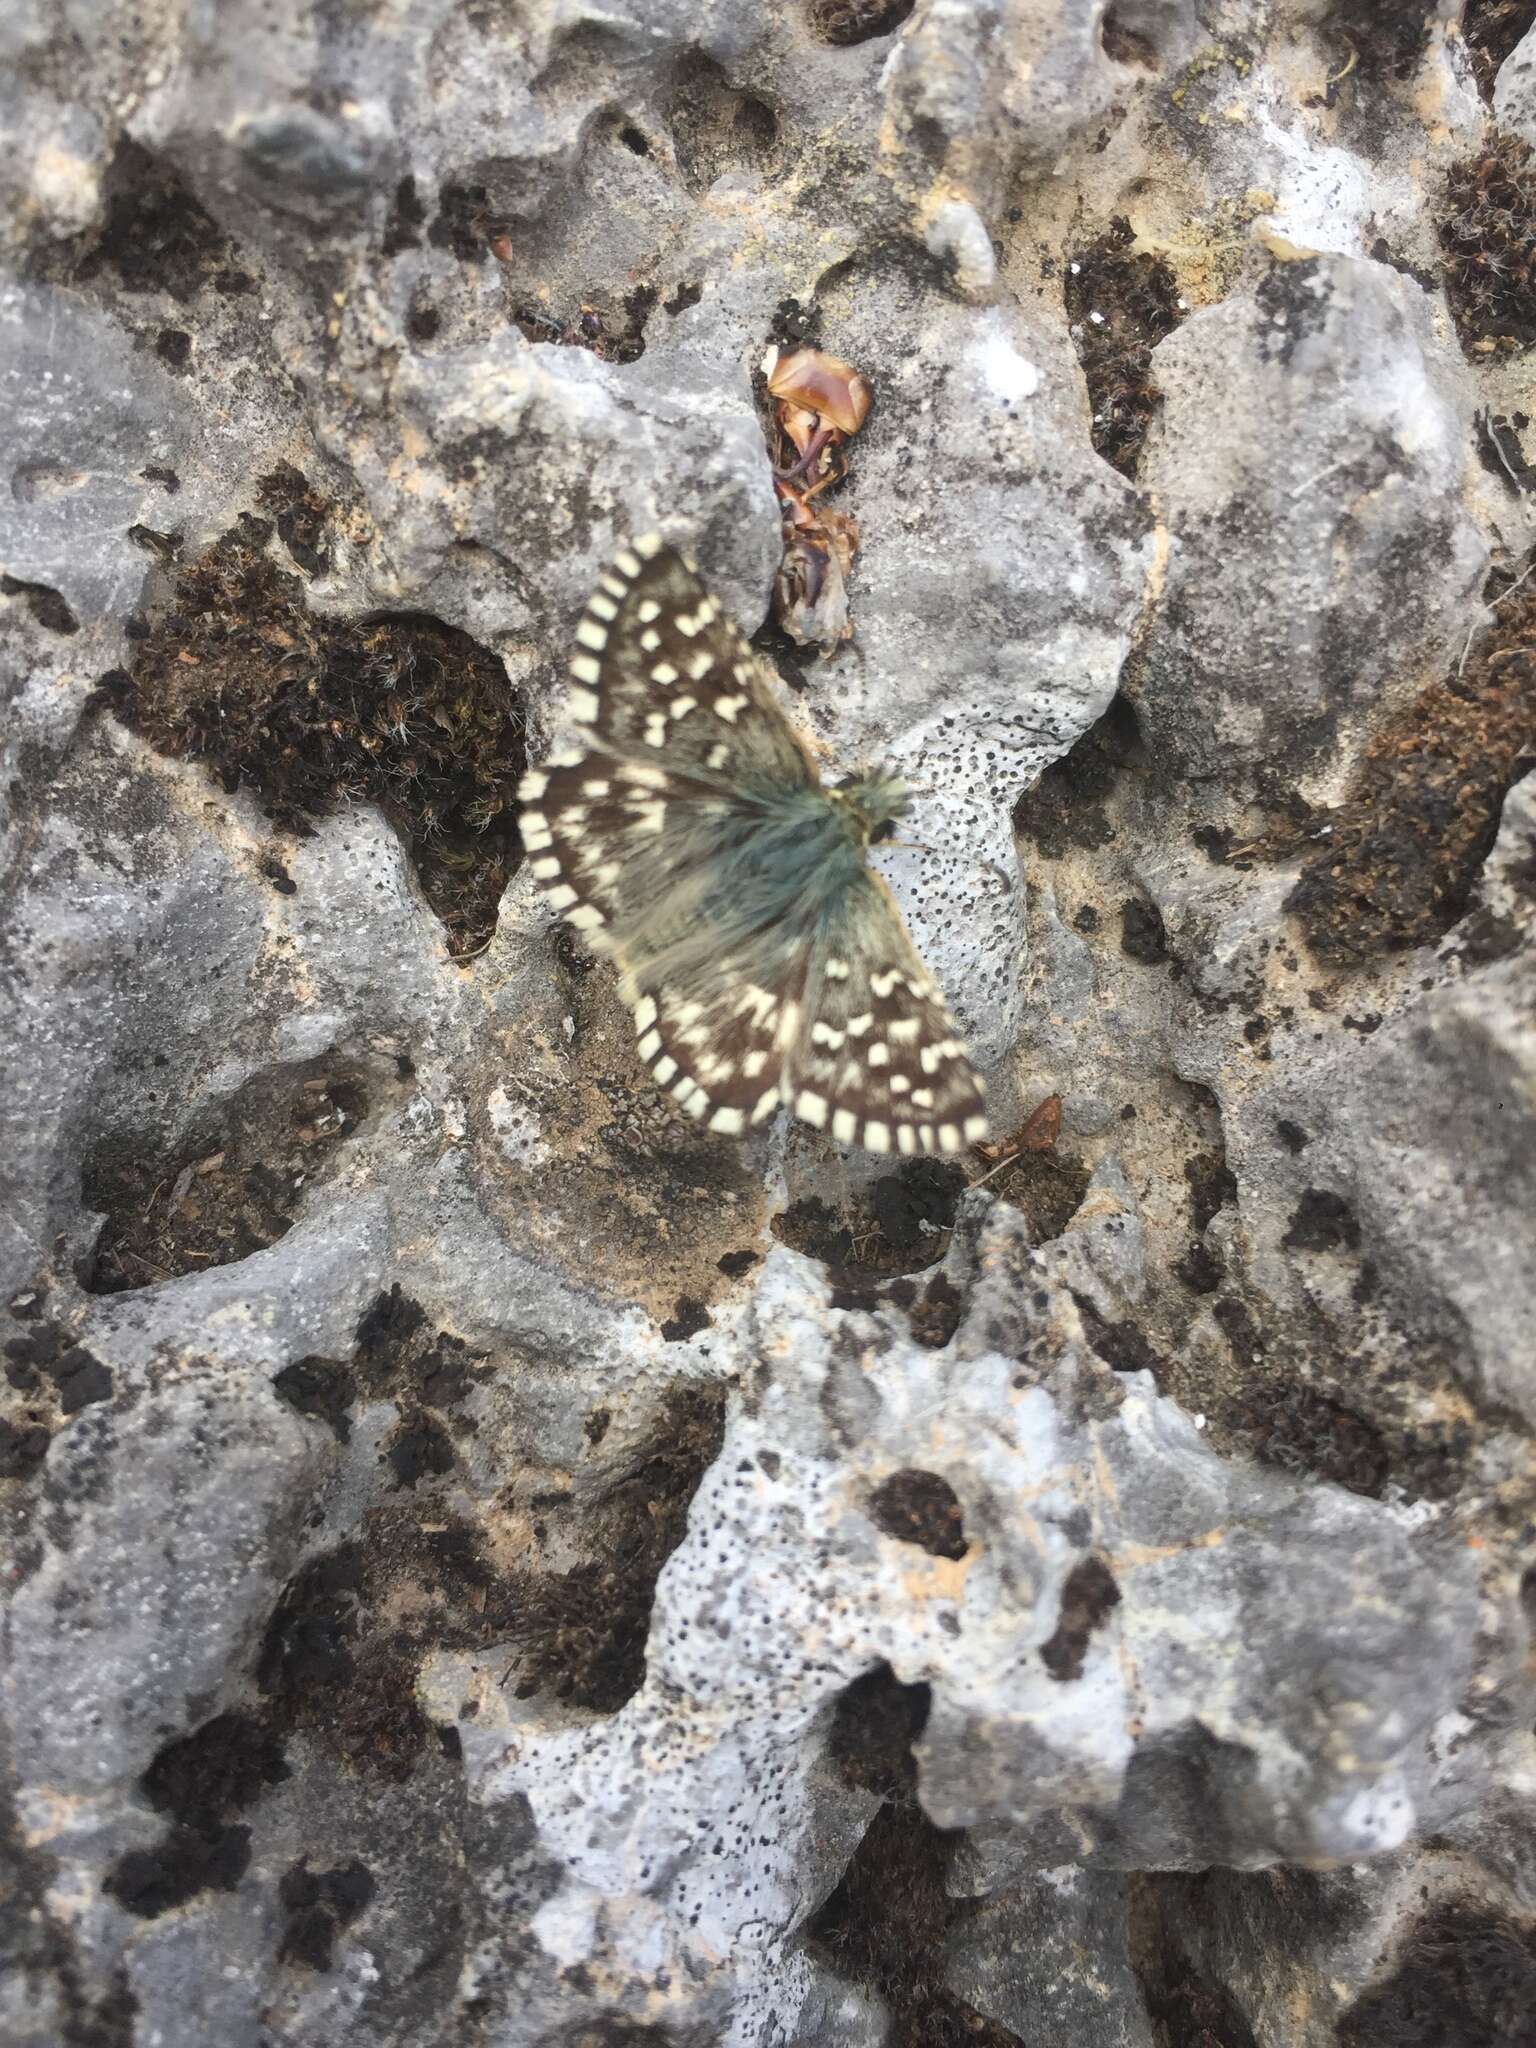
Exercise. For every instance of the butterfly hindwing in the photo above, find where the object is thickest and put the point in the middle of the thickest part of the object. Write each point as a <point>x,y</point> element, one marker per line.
<point>880,1063</point>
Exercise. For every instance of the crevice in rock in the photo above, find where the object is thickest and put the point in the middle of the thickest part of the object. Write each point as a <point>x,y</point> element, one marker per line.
<point>579,1634</point>
<point>884,1927</point>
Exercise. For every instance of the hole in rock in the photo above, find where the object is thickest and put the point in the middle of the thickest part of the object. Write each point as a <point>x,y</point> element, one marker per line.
<point>232,1187</point>
<point>845,22</point>
<point>921,1508</point>
<point>1120,303</point>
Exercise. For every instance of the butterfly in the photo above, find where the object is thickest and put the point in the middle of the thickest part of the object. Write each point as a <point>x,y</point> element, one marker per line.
<point>685,833</point>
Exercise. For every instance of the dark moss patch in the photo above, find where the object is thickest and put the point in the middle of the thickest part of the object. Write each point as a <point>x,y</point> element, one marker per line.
<point>400,1357</point>
<point>1466,1979</point>
<point>319,1905</point>
<point>874,1724</point>
<point>921,1508</point>
<point>1322,1222</point>
<point>419,1449</point>
<point>687,1319</point>
<point>1188,2008</point>
<point>1310,1431</point>
<point>1067,808</point>
<point>320,1387</point>
<point>900,1225</point>
<point>1142,936</point>
<point>886,1924</point>
<point>1491,30</point>
<point>149,1882</point>
<point>1125,44</point>
<point>581,1633</point>
<point>300,514</point>
<point>50,610</point>
<point>23,1447</point>
<point>315,712</point>
<point>220,1769</point>
<point>934,1316</point>
<point>155,236</point>
<point>231,1189</point>
<point>1406,846</point>
<point>1488,245</point>
<point>1121,1345</point>
<point>1120,304</point>
<point>1088,1595</point>
<point>1378,40</point>
<point>845,22</point>
<point>342,1648</point>
<point>734,1264</point>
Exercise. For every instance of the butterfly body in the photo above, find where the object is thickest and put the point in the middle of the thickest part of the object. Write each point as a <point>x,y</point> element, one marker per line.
<point>685,833</point>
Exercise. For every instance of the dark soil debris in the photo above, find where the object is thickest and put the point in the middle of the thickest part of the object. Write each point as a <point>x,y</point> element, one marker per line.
<point>1406,846</point>
<point>886,1924</point>
<point>901,1225</point>
<point>1310,1431</point>
<point>315,712</point>
<point>1120,304</point>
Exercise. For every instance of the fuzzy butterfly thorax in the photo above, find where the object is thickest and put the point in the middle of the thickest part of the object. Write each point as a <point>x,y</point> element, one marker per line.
<point>684,832</point>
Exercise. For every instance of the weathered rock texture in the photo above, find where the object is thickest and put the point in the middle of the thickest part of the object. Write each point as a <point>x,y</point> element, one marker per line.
<point>488,1563</point>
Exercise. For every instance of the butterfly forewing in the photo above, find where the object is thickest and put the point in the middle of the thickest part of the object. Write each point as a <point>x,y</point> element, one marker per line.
<point>662,675</point>
<point>682,830</point>
<point>879,1062</point>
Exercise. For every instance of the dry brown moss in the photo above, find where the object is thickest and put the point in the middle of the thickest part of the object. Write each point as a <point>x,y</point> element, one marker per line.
<point>1403,851</point>
<point>311,712</point>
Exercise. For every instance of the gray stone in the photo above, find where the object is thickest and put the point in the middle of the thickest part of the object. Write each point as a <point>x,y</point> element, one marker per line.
<point>1318,411</point>
<point>472,1573</point>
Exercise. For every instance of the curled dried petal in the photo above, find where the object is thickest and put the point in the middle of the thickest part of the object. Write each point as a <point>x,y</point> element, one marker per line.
<point>823,384</point>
